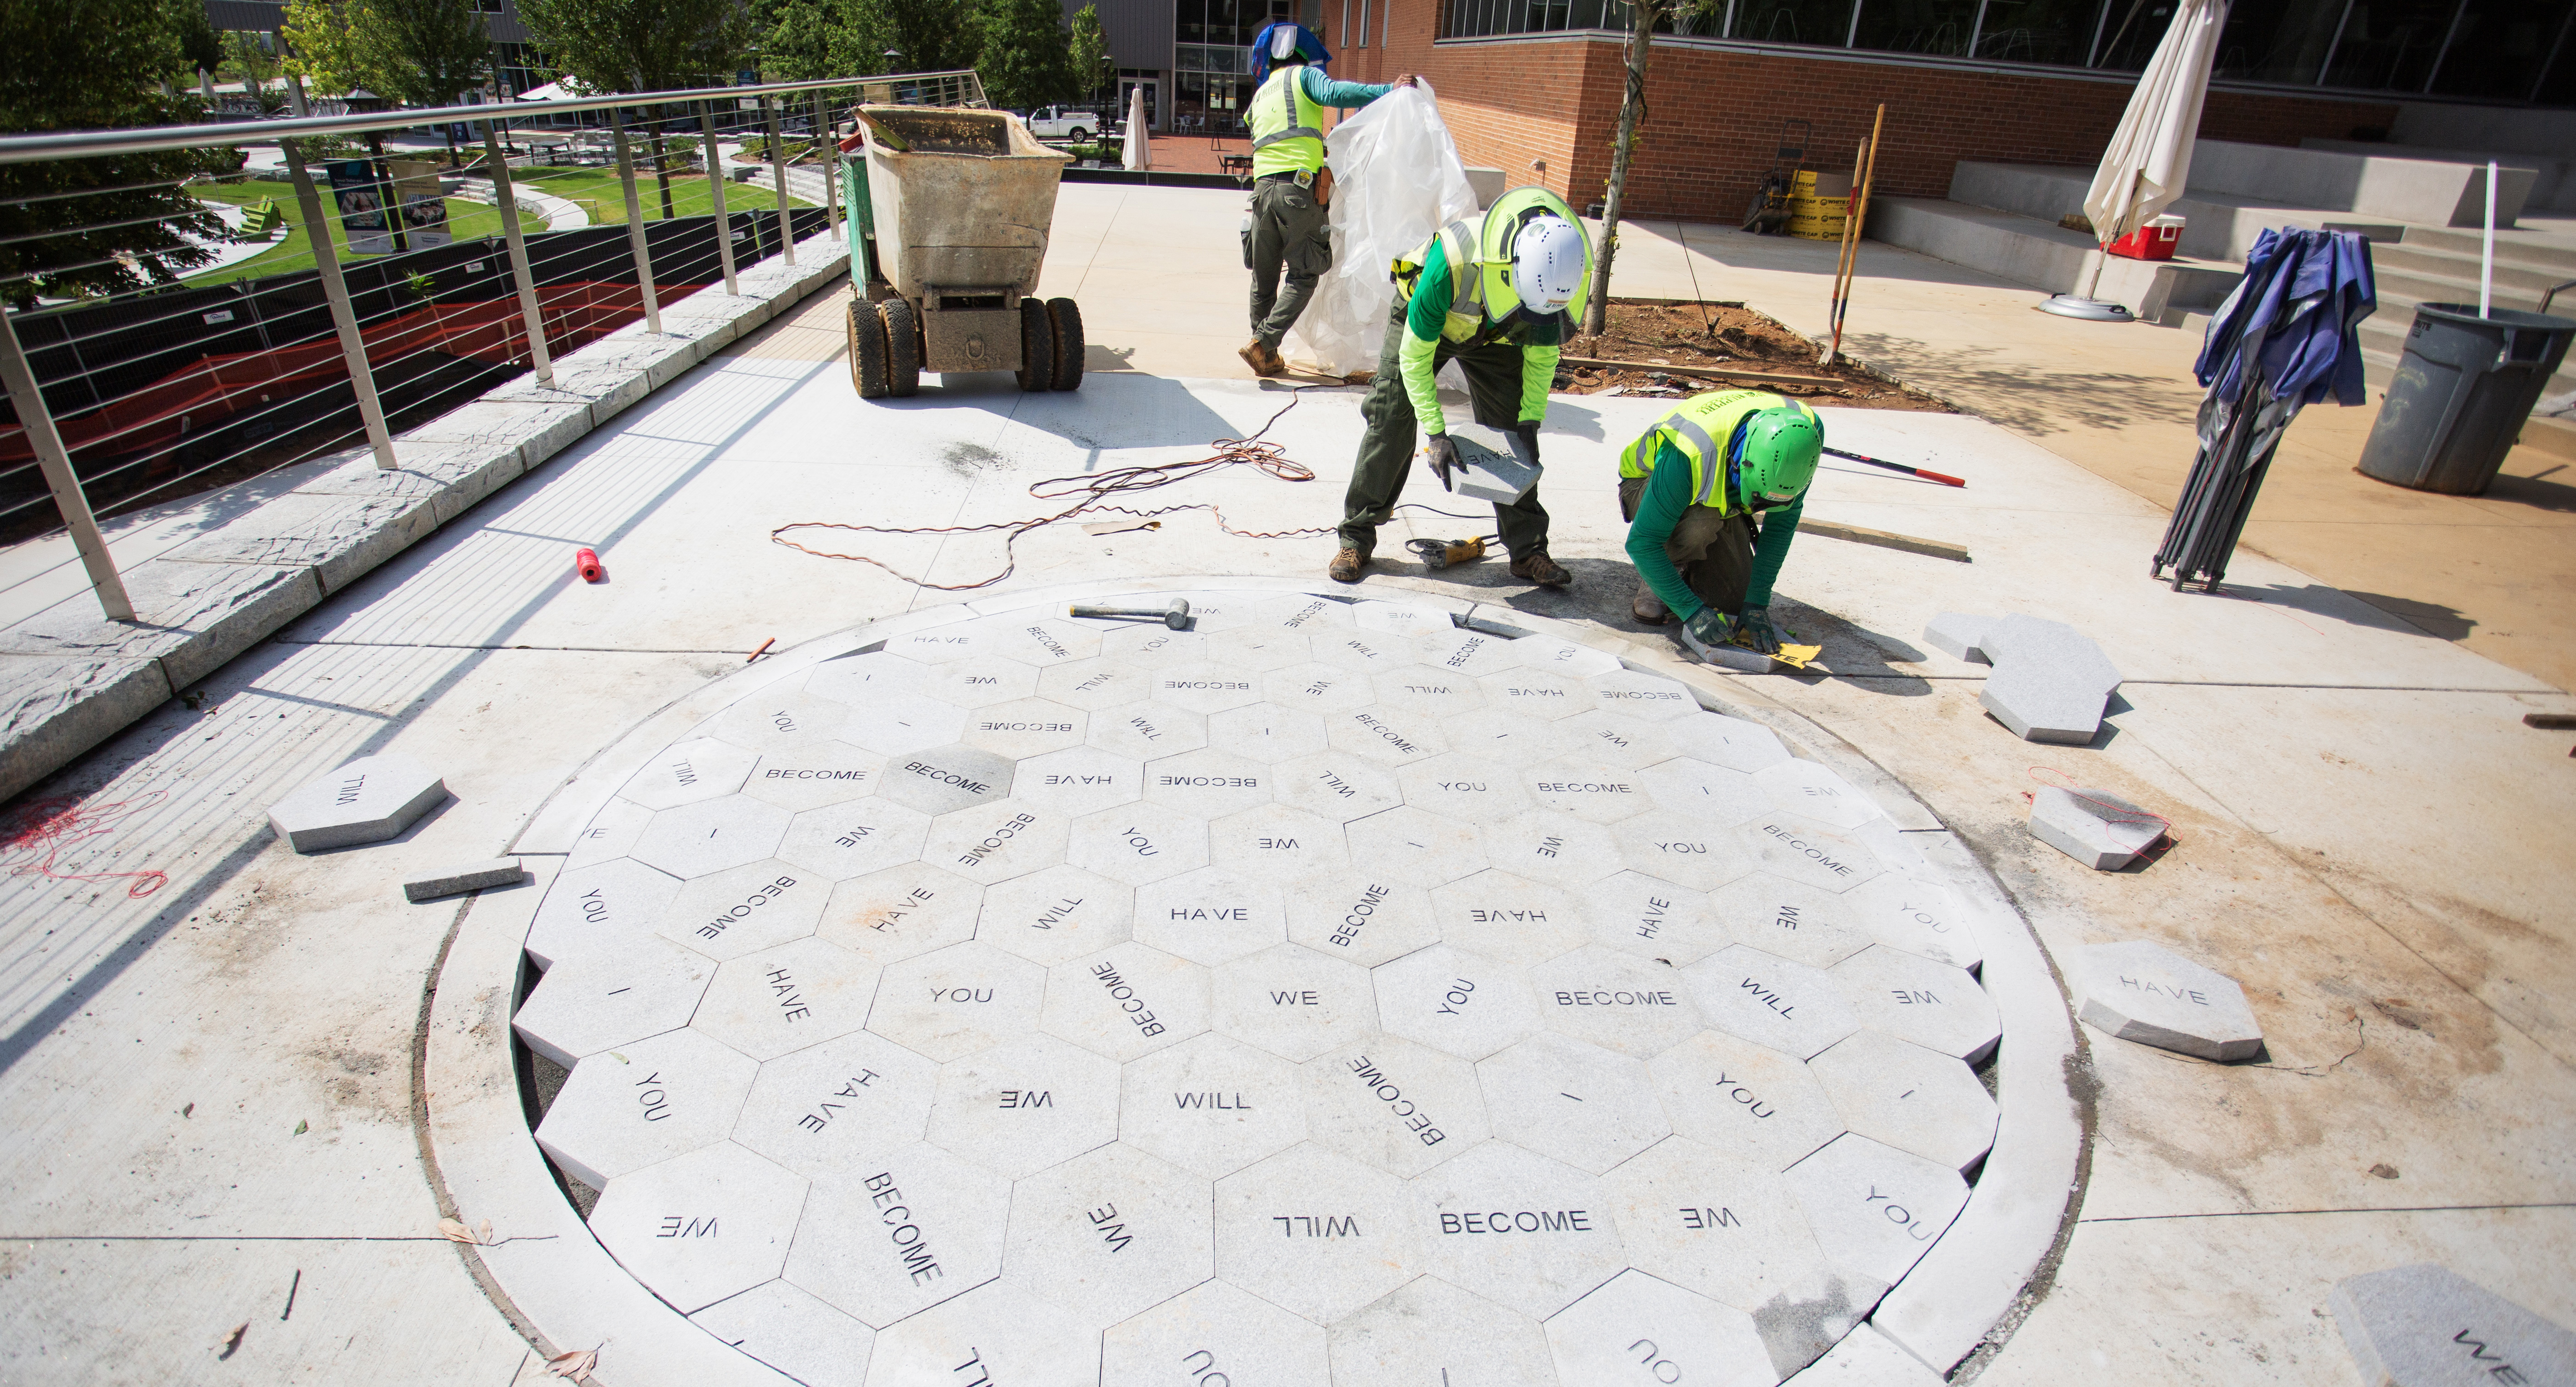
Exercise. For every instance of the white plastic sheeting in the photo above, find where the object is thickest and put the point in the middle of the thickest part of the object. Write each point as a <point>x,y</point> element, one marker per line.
<point>1396,179</point>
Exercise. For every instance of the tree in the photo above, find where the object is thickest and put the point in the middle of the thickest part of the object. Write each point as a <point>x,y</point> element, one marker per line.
<point>201,46</point>
<point>1643,15</point>
<point>1089,53</point>
<point>419,52</point>
<point>91,65</point>
<point>1023,61</point>
<point>641,46</point>
<point>926,36</point>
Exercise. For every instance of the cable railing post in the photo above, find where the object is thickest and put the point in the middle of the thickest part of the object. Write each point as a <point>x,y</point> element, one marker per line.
<point>831,137</point>
<point>353,347</point>
<point>508,201</point>
<point>56,463</point>
<point>635,226</point>
<point>778,175</point>
<point>715,189</point>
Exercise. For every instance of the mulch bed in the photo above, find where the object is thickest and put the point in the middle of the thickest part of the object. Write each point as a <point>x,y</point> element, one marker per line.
<point>1648,333</point>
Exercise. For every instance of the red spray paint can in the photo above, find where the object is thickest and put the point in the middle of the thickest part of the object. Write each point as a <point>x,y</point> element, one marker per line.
<point>586,564</point>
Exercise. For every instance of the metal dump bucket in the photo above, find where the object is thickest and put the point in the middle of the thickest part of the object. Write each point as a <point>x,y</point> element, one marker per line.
<point>967,207</point>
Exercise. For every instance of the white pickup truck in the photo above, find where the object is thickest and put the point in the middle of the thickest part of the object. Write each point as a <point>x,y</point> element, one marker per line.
<point>1075,123</point>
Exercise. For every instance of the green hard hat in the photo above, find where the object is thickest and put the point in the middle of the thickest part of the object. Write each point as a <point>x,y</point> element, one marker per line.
<point>1781,449</point>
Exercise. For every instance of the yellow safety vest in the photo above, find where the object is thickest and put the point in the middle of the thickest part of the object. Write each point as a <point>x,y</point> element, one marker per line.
<point>1699,427</point>
<point>1287,126</point>
<point>1486,296</point>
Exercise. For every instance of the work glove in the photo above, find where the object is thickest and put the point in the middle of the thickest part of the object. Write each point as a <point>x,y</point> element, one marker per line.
<point>1703,632</point>
<point>1444,456</point>
<point>1528,430</point>
<point>1758,630</point>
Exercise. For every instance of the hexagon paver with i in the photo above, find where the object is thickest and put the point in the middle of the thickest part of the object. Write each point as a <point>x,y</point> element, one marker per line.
<point>1576,1102</point>
<point>634,1106</point>
<point>790,1329</point>
<point>1081,780</point>
<point>689,772</point>
<point>1414,845</point>
<point>1217,1329</point>
<point>1652,918</point>
<point>1708,793</point>
<point>1401,1107</point>
<point>955,1001</point>
<point>1385,1346</point>
<point>1138,843</point>
<point>1694,851</point>
<point>601,998</point>
<point>1804,851</point>
<point>1757,1105</point>
<point>903,724</point>
<point>944,779</point>
<point>1735,1234</point>
<point>711,835</point>
<point>1465,1004</point>
<point>1293,1002</point>
<point>829,1109</point>
<point>995,842</point>
<point>814,772</point>
<point>601,907</point>
<point>863,680</point>
<point>854,839</point>
<point>1267,733</point>
<point>1336,785</point>
<point>1789,919</point>
<point>1770,1001</point>
<point>1875,1210</point>
<point>1615,1000</point>
<point>1733,743</point>
<point>703,1226</point>
<point>886,917</point>
<point>1361,917</point>
<point>1903,1095</point>
<point>1257,649</point>
<point>1639,1328</point>
<point>1211,1105</point>
<point>1913,998</point>
<point>1317,1233</point>
<point>1025,1104</point>
<point>1025,727</point>
<point>1558,849</point>
<point>1510,738</point>
<point>1519,1229</point>
<point>1109,1234</point>
<point>1126,1001</point>
<point>782,999</point>
<point>1057,915</point>
<point>917,1226</point>
<point>1498,913</point>
<point>746,909</point>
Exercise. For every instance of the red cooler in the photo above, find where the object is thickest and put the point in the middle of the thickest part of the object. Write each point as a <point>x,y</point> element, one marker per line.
<point>2154,241</point>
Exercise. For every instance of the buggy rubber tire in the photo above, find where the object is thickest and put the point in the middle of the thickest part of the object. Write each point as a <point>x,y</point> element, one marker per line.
<point>1037,347</point>
<point>867,350</point>
<point>903,346</point>
<point>1065,316</point>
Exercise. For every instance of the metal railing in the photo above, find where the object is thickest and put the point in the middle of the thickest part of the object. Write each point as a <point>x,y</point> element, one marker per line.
<point>133,372</point>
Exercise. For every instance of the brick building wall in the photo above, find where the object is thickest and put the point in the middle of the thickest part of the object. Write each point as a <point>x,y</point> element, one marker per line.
<point>1546,110</point>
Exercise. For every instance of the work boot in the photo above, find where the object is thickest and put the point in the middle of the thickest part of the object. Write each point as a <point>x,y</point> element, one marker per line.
<point>1346,565</point>
<point>1538,568</point>
<point>1263,361</point>
<point>1649,608</point>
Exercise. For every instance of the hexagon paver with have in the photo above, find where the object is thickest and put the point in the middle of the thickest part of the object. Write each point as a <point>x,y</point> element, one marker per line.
<point>830,1109</point>
<point>886,917</point>
<point>786,997</point>
<point>1652,918</point>
<point>1508,917</point>
<point>1079,781</point>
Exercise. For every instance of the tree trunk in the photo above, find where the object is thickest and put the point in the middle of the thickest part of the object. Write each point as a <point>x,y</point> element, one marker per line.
<point>1641,32</point>
<point>662,172</point>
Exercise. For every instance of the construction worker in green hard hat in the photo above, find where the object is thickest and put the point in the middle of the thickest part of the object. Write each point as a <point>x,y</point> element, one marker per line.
<point>1691,488</point>
<point>1491,296</point>
<point>1290,183</point>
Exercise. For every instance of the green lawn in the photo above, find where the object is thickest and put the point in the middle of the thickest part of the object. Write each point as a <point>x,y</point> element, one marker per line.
<point>466,220</point>
<point>599,194</point>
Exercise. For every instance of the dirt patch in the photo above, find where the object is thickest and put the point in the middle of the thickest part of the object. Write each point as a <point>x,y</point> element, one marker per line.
<point>1647,334</point>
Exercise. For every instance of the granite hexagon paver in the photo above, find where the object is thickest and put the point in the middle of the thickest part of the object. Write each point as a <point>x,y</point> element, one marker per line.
<point>1109,1234</point>
<point>995,1333</point>
<point>855,839</point>
<point>1361,917</point>
<point>1126,1001</point>
<point>1905,1096</point>
<point>1147,731</point>
<point>1207,783</point>
<point>1211,916</point>
<point>902,724</point>
<point>1652,918</point>
<point>1913,998</point>
<point>1097,683</point>
<point>1921,918</point>
<point>978,681</point>
<point>1384,1346</point>
<point>1336,785</point>
<point>995,842</point>
<point>1218,1329</point>
<point>599,907</point>
<point>1795,921</point>
<point>1520,1229</point>
<point>1278,844</point>
<point>601,998</point>
<point>793,1330</point>
<point>1207,685</point>
<point>1465,1004</point>
<point>1802,850</point>
<point>1057,915</point>
<point>1398,1106</point>
<point>1079,781</point>
<point>1874,1209</point>
<point>829,1110</point>
<point>1025,1104</point>
<point>640,1104</point>
<point>1363,651</point>
<point>701,1227</point>
<point>1558,849</point>
<point>1293,1001</point>
<point>1317,1233</point>
<point>1465,786</point>
<point>711,835</point>
<point>1267,733</point>
<point>1734,743</point>
<point>745,909</point>
<point>787,997</point>
<point>778,718</point>
<point>1646,1329</point>
<point>367,800</point>
<point>1510,738</point>
<point>687,772</point>
<point>2147,993</point>
<point>1047,642</point>
<point>1025,727</point>
<point>1770,1001</point>
<point>863,680</point>
<point>1587,788</point>
<point>1548,695</point>
<point>1753,1103</point>
<point>1423,692</point>
<point>1615,1000</point>
<point>2425,1325</point>
<point>952,1002</point>
<point>1138,843</point>
<point>888,916</point>
<point>1508,916</point>
<point>1388,736</point>
<point>1643,695</point>
<point>1258,649</point>
<point>1573,1101</point>
<point>923,1226</point>
<point>811,773</point>
<point>1811,790</point>
<point>1694,850</point>
<point>1318,688</point>
<point>1211,1105</point>
<point>944,779</point>
<point>1705,791</point>
<point>608,835</point>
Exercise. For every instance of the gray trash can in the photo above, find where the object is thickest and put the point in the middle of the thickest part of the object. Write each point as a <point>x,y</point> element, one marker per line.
<point>2463,389</point>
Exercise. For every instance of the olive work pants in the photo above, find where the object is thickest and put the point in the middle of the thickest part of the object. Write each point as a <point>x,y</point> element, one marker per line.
<point>1493,373</point>
<point>1288,230</point>
<point>1714,552</point>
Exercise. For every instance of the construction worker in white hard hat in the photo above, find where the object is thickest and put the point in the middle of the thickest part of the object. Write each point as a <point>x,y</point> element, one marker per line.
<point>1690,488</point>
<point>1290,182</point>
<point>1493,297</point>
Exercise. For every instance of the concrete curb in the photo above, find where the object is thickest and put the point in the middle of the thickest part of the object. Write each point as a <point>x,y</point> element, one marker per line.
<point>70,679</point>
<point>568,1292</point>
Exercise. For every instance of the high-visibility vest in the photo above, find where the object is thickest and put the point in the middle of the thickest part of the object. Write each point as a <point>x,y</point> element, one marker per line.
<point>1287,125</point>
<point>1700,427</point>
<point>1480,262</point>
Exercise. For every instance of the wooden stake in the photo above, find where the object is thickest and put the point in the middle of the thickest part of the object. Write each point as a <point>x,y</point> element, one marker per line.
<point>1859,210</point>
<point>1851,233</point>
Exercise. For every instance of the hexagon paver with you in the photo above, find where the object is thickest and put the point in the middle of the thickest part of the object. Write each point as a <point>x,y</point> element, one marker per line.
<point>1337,989</point>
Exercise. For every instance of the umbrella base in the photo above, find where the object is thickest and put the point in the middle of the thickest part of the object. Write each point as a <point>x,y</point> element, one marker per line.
<point>2094,310</point>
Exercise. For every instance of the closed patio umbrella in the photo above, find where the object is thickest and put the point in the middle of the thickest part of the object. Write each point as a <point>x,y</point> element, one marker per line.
<point>2148,162</point>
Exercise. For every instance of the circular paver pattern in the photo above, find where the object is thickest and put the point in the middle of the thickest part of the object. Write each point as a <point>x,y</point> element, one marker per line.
<point>1330,990</point>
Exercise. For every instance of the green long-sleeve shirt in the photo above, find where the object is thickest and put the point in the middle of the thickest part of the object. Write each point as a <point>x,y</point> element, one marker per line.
<point>1433,293</point>
<point>1667,497</point>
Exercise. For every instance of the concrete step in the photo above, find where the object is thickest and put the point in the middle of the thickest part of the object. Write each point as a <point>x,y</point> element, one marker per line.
<point>2217,225</point>
<point>2553,186</point>
<point>2520,290</point>
<point>2029,251</point>
<point>2517,274</point>
<point>2549,251</point>
<point>2384,186</point>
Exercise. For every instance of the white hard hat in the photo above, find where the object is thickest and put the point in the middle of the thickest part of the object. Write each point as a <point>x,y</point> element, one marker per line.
<point>1547,263</point>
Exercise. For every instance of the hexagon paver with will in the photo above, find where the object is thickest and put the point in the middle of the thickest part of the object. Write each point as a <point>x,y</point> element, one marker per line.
<point>1293,1002</point>
<point>688,772</point>
<point>1615,1000</point>
<point>746,909</point>
<point>854,839</point>
<point>1760,1107</point>
<point>918,1227</point>
<point>1214,1328</point>
<point>1552,847</point>
<point>1505,916</point>
<point>703,1226</point>
<point>1770,1001</point>
<point>600,907</point>
<point>995,1333</point>
<point>1094,684</point>
<point>889,916</point>
<point>608,997</point>
<point>1057,915</point>
<point>1363,652</point>
<point>1336,785</point>
<point>1109,1234</point>
<point>1646,1329</point>
<point>996,842</point>
<point>814,772</point>
<point>1575,1102</point>
<point>1683,848</point>
<point>1138,843</point>
<point>1025,1104</point>
<point>1913,998</point>
<point>1415,846</point>
<point>830,1109</point>
<point>644,1103</point>
<point>711,835</point>
<point>1735,1234</point>
<point>1875,1210</point>
<point>1401,1107</point>
<point>1795,921</point>
<point>1652,918</point>
<point>1147,731</point>
<point>1465,1004</point>
<point>944,779</point>
<point>1127,1001</point>
<point>783,999</point>
<point>1900,1094</point>
<point>1419,691</point>
<point>1317,1233</point>
<point>1277,844</point>
<point>1362,918</point>
<point>1520,1229</point>
<point>955,1001</point>
<point>1211,1105</point>
<point>1079,781</point>
<point>1025,727</point>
